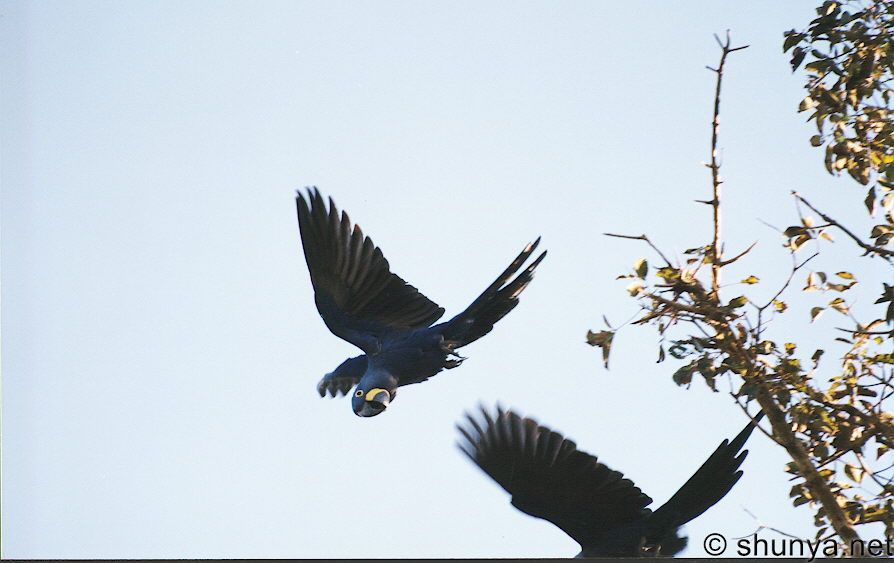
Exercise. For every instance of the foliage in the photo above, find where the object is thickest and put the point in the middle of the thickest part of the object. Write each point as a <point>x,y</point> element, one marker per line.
<point>849,56</point>
<point>830,414</point>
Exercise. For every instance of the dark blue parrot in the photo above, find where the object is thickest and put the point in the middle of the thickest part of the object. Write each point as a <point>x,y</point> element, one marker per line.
<point>549,478</point>
<point>362,302</point>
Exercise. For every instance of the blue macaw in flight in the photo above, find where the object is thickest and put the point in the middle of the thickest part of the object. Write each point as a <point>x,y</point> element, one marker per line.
<point>604,512</point>
<point>362,302</point>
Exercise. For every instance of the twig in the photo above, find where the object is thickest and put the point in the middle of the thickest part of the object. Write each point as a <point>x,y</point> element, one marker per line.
<point>741,254</point>
<point>643,238</point>
<point>762,526</point>
<point>868,332</point>
<point>868,471</point>
<point>788,281</point>
<point>883,252</point>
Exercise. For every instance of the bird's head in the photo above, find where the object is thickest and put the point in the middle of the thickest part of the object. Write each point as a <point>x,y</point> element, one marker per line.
<point>371,400</point>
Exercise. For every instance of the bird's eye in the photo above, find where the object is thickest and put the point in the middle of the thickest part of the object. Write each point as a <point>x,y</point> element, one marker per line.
<point>359,393</point>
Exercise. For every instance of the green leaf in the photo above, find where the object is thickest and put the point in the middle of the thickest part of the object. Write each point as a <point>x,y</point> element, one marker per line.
<point>748,390</point>
<point>869,202</point>
<point>751,280</point>
<point>816,140</point>
<point>667,273</point>
<point>797,58</point>
<point>602,339</point>
<point>641,267</point>
<point>815,312</point>
<point>737,302</point>
<point>683,376</point>
<point>791,39</point>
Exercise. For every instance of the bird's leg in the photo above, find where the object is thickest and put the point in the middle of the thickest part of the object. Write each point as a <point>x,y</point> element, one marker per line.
<point>447,347</point>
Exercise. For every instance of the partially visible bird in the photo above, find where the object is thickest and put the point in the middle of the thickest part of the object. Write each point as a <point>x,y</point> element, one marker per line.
<point>362,302</point>
<point>549,478</point>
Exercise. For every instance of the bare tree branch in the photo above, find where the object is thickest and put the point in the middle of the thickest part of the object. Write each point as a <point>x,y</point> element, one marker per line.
<point>716,181</point>
<point>642,238</point>
<point>883,252</point>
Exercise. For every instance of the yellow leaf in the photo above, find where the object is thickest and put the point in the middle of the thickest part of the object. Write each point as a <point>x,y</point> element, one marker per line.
<point>839,305</point>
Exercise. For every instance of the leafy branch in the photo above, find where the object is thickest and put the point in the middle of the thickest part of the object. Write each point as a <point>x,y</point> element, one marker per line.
<point>826,428</point>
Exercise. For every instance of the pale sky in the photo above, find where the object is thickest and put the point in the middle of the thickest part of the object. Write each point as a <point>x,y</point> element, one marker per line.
<point>160,343</point>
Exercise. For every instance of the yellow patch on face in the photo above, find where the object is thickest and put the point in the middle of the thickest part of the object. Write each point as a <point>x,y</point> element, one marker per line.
<point>373,392</point>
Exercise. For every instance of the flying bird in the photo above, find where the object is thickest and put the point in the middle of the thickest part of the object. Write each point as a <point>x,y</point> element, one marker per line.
<point>362,302</point>
<point>549,478</point>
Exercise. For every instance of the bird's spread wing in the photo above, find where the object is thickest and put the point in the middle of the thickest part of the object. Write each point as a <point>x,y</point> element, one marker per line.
<point>709,483</point>
<point>495,302</point>
<point>358,297</point>
<point>548,477</point>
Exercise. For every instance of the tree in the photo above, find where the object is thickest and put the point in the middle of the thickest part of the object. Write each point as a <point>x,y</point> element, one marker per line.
<point>833,419</point>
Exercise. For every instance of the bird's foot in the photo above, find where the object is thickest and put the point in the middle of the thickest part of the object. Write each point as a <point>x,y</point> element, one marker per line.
<point>450,364</point>
<point>455,361</point>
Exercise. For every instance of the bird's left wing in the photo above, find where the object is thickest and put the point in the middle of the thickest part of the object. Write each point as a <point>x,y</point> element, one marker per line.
<point>336,385</point>
<point>343,377</point>
<point>358,297</point>
<point>549,478</point>
<point>710,483</point>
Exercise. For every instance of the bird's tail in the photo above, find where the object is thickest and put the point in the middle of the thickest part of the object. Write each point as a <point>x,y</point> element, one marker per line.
<point>493,304</point>
<point>705,488</point>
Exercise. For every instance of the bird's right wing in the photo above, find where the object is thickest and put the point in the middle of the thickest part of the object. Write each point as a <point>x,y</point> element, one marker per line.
<point>548,477</point>
<point>358,297</point>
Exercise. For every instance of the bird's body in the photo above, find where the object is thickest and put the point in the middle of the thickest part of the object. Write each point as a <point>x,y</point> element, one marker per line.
<point>549,478</point>
<point>361,301</point>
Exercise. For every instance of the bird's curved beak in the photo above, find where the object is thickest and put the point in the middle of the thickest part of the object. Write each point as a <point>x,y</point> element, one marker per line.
<point>376,402</point>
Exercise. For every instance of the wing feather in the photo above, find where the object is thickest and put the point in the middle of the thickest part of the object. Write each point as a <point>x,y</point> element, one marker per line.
<point>358,297</point>
<point>548,477</point>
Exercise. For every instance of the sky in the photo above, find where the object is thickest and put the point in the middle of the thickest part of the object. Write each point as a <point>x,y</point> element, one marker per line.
<point>160,345</point>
